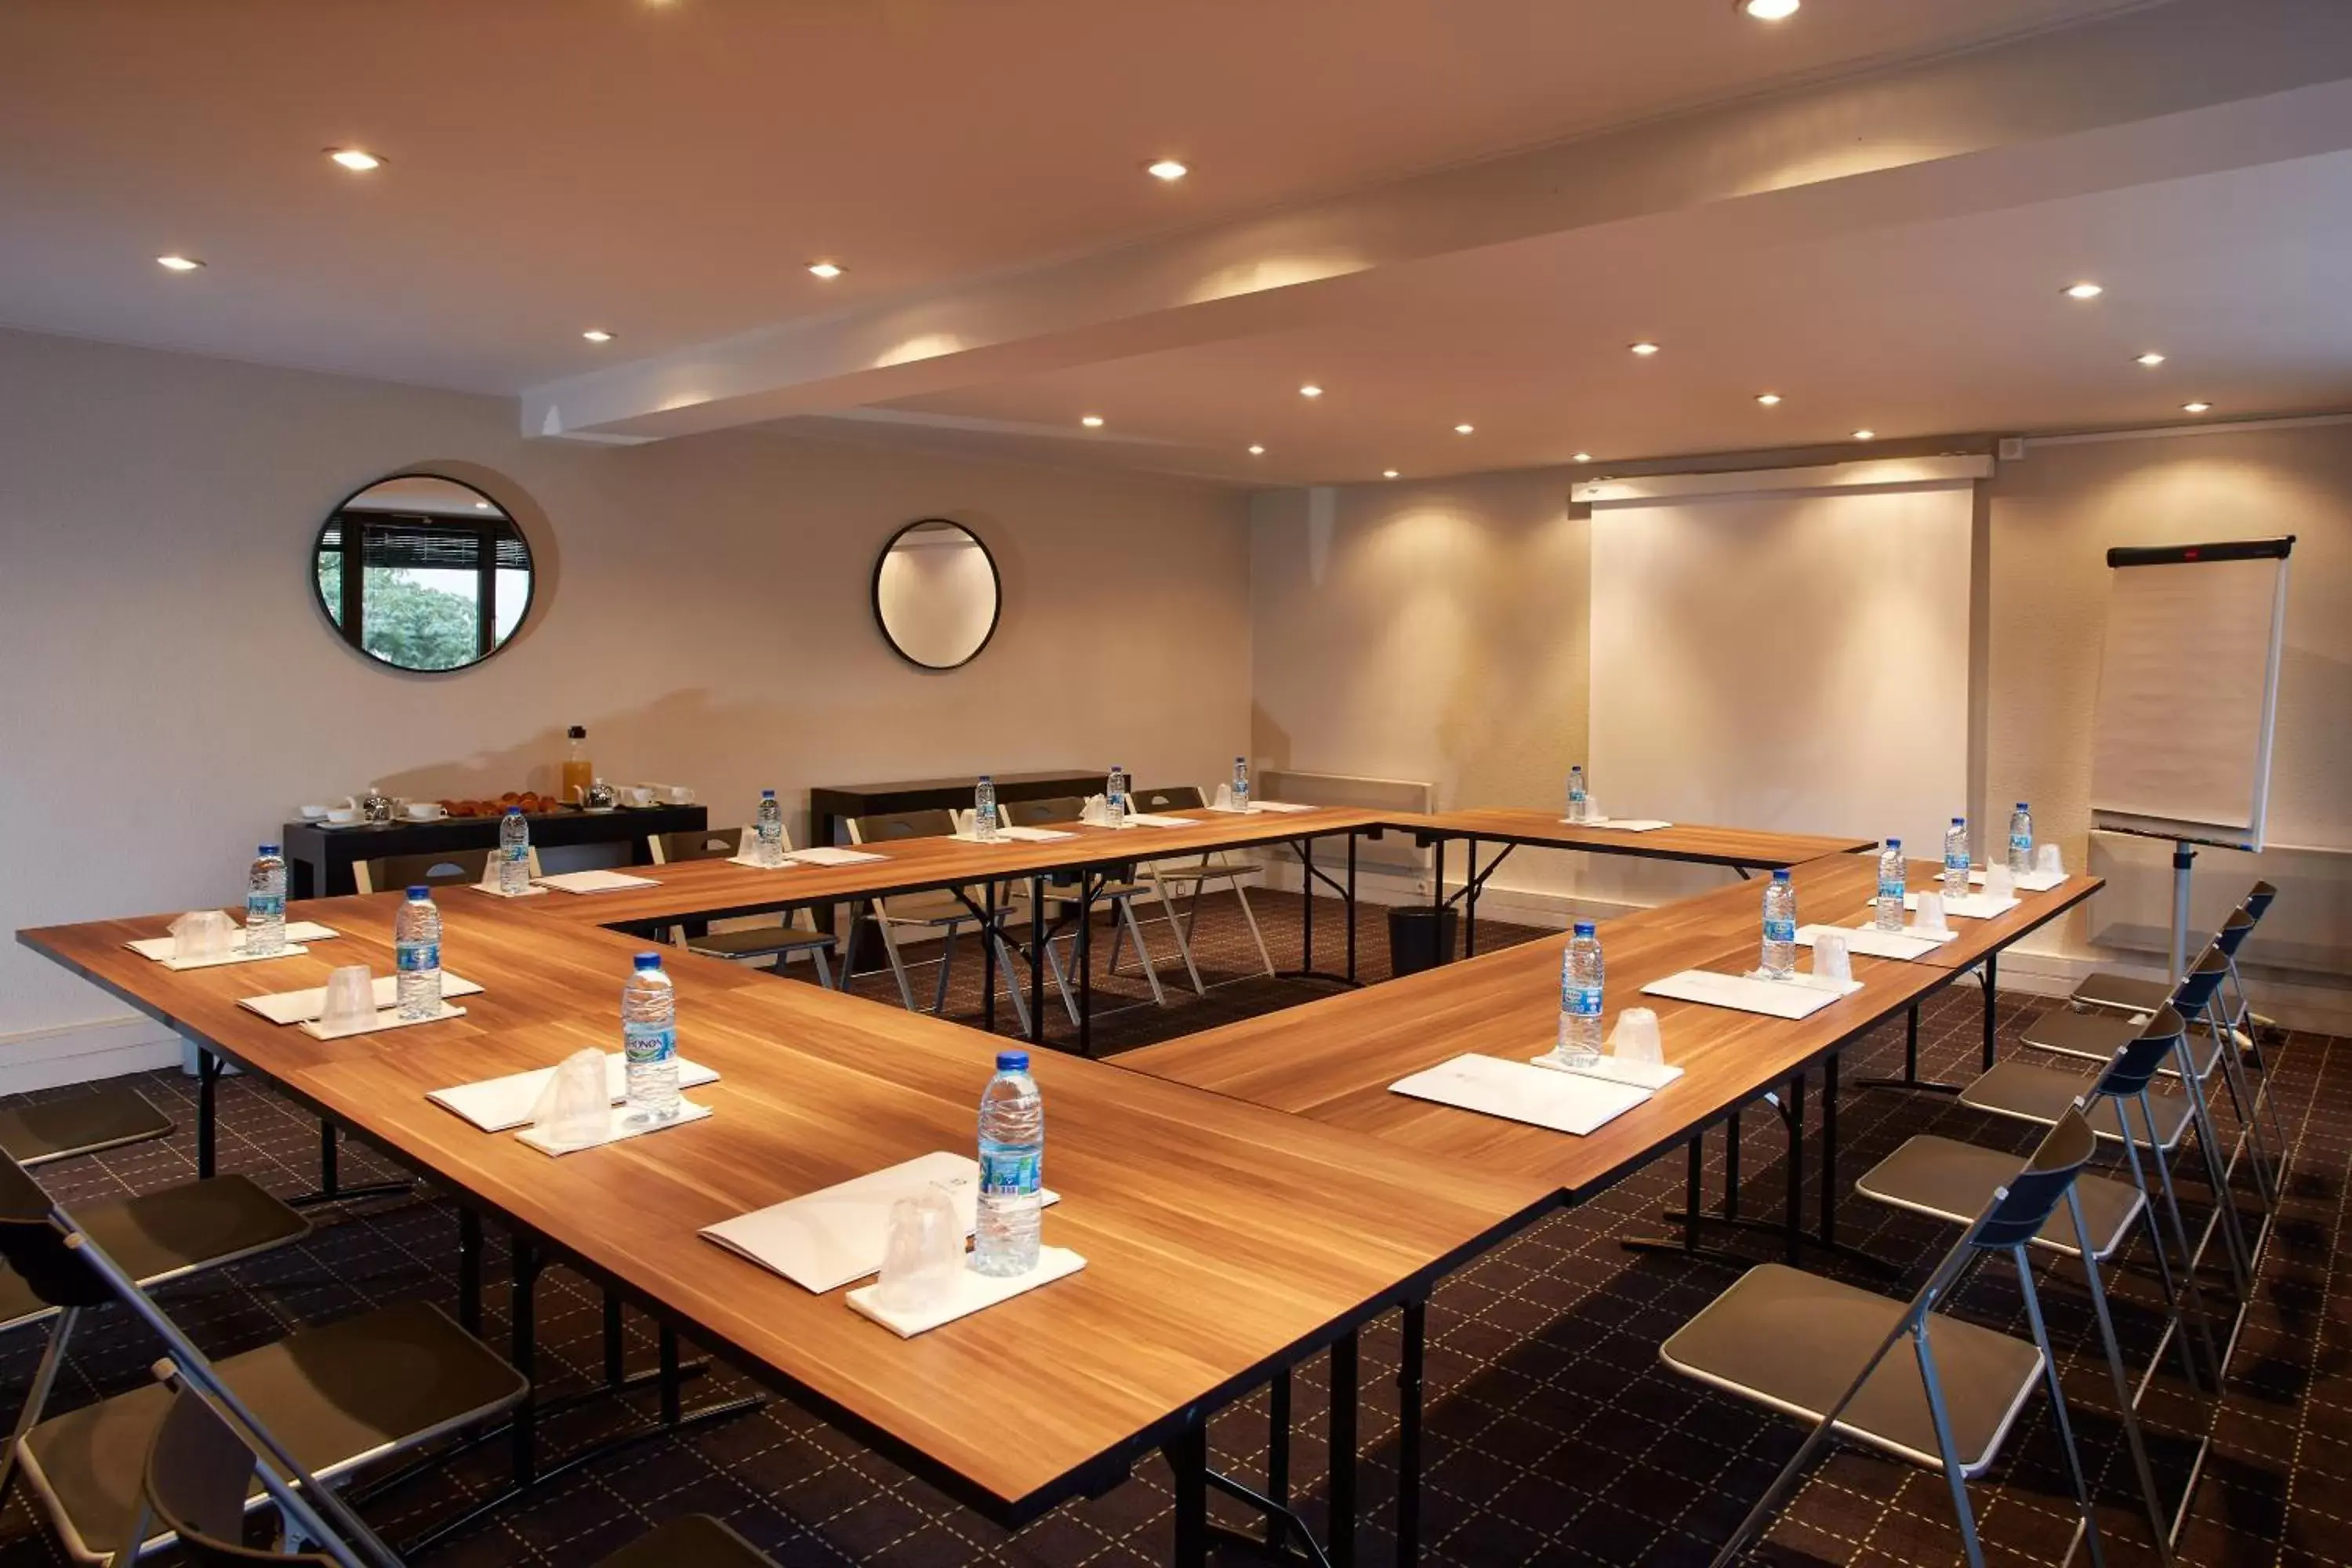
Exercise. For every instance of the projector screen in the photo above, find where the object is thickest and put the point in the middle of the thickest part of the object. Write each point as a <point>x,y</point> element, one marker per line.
<point>2188,690</point>
<point>1794,659</point>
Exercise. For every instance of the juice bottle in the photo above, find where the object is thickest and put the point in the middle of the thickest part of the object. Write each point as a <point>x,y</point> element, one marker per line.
<point>579,772</point>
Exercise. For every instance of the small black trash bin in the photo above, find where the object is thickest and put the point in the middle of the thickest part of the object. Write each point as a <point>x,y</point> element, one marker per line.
<point>1420,936</point>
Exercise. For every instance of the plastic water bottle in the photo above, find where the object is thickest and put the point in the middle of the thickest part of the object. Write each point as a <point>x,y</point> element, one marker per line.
<point>1011,1169</point>
<point>983,810</point>
<point>1577,809</point>
<point>769,824</point>
<point>1114,797</point>
<point>416,955</point>
<point>514,853</point>
<point>2021,839</point>
<point>1241,784</point>
<point>1956,858</point>
<point>1580,999</point>
<point>1891,878</point>
<point>649,1040</point>
<point>1779,927</point>
<point>265,901</point>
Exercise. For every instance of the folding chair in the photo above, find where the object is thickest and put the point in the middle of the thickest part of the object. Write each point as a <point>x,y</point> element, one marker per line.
<point>1820,1349</point>
<point>745,944</point>
<point>1119,889</point>
<point>1213,868</point>
<point>392,872</point>
<point>114,1116</point>
<point>942,913</point>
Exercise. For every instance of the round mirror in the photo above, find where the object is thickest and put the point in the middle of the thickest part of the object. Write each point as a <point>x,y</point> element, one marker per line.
<point>935,594</point>
<point>423,573</point>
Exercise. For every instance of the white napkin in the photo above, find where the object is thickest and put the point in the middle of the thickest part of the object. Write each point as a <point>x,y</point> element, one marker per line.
<point>972,1292</point>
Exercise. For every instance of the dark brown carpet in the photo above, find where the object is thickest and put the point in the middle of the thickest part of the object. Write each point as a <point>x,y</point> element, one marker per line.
<point>1554,1437</point>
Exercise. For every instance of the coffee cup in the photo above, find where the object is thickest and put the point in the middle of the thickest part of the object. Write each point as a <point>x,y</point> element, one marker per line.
<point>311,813</point>
<point>424,811</point>
<point>638,795</point>
<point>343,815</point>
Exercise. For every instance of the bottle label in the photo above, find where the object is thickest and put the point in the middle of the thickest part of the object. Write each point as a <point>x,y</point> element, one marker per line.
<point>412,957</point>
<point>1010,1172</point>
<point>1583,1001</point>
<point>1890,888</point>
<point>518,853</point>
<point>264,907</point>
<point>2021,841</point>
<point>1780,931</point>
<point>643,1043</point>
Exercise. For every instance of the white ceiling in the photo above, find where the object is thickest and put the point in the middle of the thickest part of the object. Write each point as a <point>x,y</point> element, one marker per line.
<point>665,170</point>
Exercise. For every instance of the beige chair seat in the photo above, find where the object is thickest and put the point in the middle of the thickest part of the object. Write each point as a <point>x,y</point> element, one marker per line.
<point>2097,1037</point>
<point>2030,1093</point>
<point>335,1397</point>
<point>698,1540</point>
<point>1948,1180</point>
<point>2121,993</point>
<point>79,1124</point>
<point>159,1237</point>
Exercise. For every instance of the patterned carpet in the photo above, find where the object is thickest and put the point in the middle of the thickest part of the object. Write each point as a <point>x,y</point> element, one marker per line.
<point>1553,1435</point>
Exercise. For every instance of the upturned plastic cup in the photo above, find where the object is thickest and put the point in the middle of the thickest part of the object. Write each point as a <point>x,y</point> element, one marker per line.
<point>1636,1039</point>
<point>1929,915</point>
<point>351,999</point>
<point>920,1253</point>
<point>1999,882</point>
<point>1831,961</point>
<point>201,933</point>
<point>2048,860</point>
<point>576,1108</point>
<point>1225,801</point>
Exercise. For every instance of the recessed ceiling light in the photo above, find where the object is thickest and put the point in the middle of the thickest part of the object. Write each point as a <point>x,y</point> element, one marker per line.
<point>1582,457</point>
<point>1387,473</point>
<point>1769,10</point>
<point>1645,349</point>
<point>178,263</point>
<point>1769,399</point>
<point>825,268</point>
<point>1257,451</point>
<point>2150,359</point>
<point>1310,390</point>
<point>1167,169</point>
<point>597,335</point>
<point>481,506</point>
<point>1463,429</point>
<point>1092,421</point>
<point>2201,406</point>
<point>1866,434</point>
<point>2084,290</point>
<point>356,161</point>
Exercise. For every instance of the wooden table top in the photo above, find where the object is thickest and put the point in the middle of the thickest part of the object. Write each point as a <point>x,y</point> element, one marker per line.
<point>719,889</point>
<point>1691,842</point>
<point>1222,1239</point>
<point>1333,1062</point>
<point>1848,903</point>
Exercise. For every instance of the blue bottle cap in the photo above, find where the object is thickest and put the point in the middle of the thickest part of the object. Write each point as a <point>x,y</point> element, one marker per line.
<point>2021,805</point>
<point>514,811</point>
<point>649,961</point>
<point>267,849</point>
<point>1012,1061</point>
<point>1894,843</point>
<point>1959,822</point>
<point>1584,928</point>
<point>420,891</point>
<point>767,794</point>
<point>986,778</point>
<point>1781,875</point>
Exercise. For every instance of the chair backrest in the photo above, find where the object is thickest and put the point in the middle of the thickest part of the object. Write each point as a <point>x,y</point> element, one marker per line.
<point>198,1473</point>
<point>2233,932</point>
<point>393,872</point>
<point>32,1240</point>
<point>895,825</point>
<point>1042,812</point>
<point>2204,978</point>
<point>2019,1208</point>
<point>1176,797</point>
<point>2136,1061</point>
<point>2258,899</point>
<point>710,844</point>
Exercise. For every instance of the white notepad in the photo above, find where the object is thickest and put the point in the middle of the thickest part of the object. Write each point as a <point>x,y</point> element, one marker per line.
<point>1521,1092</point>
<point>2030,881</point>
<point>530,891</point>
<point>618,1129</point>
<point>1622,823</point>
<point>159,947</point>
<point>1967,906</point>
<point>1146,819</point>
<point>749,864</point>
<point>385,1018</point>
<point>1871,942</point>
<point>596,881</point>
<point>1006,833</point>
<point>973,1292</point>
<point>1798,996</point>
<point>1651,1076</point>
<point>823,1240</point>
<point>821,856</point>
<point>1280,805</point>
<point>301,1006</point>
<point>502,1104</point>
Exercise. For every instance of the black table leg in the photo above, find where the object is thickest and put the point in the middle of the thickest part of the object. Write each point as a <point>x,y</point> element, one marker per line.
<point>1306,906</point>
<point>1409,1391</point>
<point>1188,1460</point>
<point>469,1270</point>
<point>616,1372</point>
<point>209,1071</point>
<point>1470,905</point>
<point>1829,1150</point>
<point>1277,1453</point>
<point>1082,949</point>
<point>1795,1211</point>
<point>1343,1452</point>
<point>1911,1078</point>
<point>1731,1166</point>
<point>669,1378</point>
<point>1991,974</point>
<point>524,1254</point>
<point>1352,906</point>
<point>1037,959</point>
<point>988,959</point>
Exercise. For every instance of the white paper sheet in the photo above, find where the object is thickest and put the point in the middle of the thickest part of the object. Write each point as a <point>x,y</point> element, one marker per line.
<point>385,1018</point>
<point>159,947</point>
<point>1868,941</point>
<point>1615,1069</point>
<point>596,881</point>
<point>494,891</point>
<point>1967,906</point>
<point>1799,996</point>
<point>1009,834</point>
<point>1147,820</point>
<point>503,1104</point>
<point>823,1240</point>
<point>973,1292</point>
<point>1520,1091</point>
<point>1622,823</point>
<point>2027,881</point>
<point>300,1006</point>
<point>822,856</point>
<point>619,1129</point>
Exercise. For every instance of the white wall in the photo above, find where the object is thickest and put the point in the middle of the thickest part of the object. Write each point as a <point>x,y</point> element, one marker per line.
<point>169,691</point>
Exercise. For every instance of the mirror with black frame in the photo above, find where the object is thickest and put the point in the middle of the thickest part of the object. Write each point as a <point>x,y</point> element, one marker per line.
<point>936,595</point>
<point>423,573</point>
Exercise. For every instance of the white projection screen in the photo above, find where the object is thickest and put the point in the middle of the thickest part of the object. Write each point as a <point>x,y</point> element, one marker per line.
<point>2187,691</point>
<point>1787,659</point>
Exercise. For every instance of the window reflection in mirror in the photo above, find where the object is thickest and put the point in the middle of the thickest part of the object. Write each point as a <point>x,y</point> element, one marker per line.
<point>423,573</point>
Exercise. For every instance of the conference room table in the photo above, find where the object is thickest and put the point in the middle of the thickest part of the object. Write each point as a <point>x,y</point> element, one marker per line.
<point>1225,1241</point>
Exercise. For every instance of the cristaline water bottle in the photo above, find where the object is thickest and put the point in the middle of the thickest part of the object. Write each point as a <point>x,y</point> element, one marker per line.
<point>514,852</point>
<point>1241,784</point>
<point>416,955</point>
<point>265,901</point>
<point>2021,839</point>
<point>1956,858</point>
<point>649,1040</point>
<point>1577,809</point>
<point>769,824</point>
<point>1779,927</point>
<point>1580,976</point>
<point>1011,1169</point>
<point>983,810</point>
<point>1892,877</point>
<point>1114,797</point>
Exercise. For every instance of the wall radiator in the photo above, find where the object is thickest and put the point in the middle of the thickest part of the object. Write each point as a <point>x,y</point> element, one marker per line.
<point>1391,854</point>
